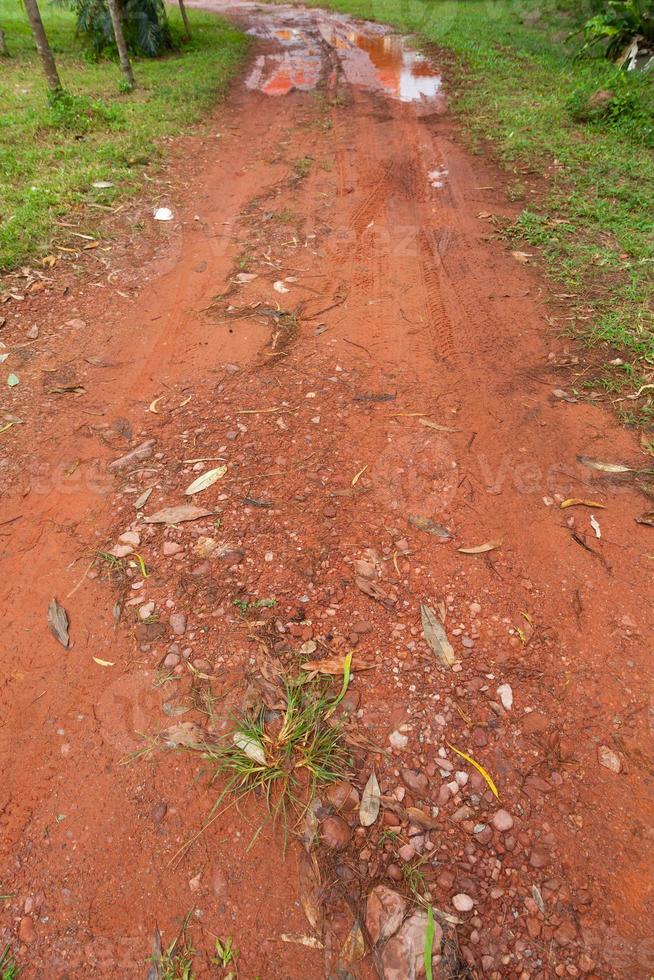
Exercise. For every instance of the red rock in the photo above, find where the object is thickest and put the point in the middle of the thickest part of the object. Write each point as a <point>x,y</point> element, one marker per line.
<point>403,955</point>
<point>566,933</point>
<point>539,858</point>
<point>415,781</point>
<point>343,796</point>
<point>335,833</point>
<point>385,910</point>
<point>534,723</point>
<point>26,931</point>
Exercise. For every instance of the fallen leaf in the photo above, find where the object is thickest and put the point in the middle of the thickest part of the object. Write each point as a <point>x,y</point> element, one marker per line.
<point>595,464</point>
<point>185,733</point>
<point>246,276</point>
<point>374,591</point>
<point>48,261</point>
<point>423,819</point>
<point>251,746</point>
<point>152,407</point>
<point>578,502</point>
<point>435,425</point>
<point>310,890</point>
<point>479,768</point>
<point>436,636</point>
<point>594,523</point>
<point>355,478</point>
<point>370,802</point>
<point>178,514</point>
<point>309,941</point>
<point>67,390</point>
<point>143,498</point>
<point>206,480</point>
<point>58,623</point>
<point>102,184</point>
<point>431,527</point>
<point>13,380</point>
<point>646,518</point>
<point>522,256</point>
<point>104,663</point>
<point>333,666</point>
<point>481,549</point>
<point>279,287</point>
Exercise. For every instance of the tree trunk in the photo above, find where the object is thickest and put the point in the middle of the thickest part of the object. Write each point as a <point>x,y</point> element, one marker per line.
<point>4,50</point>
<point>125,63</point>
<point>187,26</point>
<point>42,45</point>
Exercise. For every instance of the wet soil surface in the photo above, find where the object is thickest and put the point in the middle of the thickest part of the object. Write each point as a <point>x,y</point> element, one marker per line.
<point>330,316</point>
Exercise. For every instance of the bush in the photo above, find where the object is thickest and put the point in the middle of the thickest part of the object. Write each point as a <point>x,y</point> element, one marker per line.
<point>615,28</point>
<point>625,104</point>
<point>145,25</point>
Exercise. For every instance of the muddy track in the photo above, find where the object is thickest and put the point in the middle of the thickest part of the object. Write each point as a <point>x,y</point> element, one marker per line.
<point>330,315</point>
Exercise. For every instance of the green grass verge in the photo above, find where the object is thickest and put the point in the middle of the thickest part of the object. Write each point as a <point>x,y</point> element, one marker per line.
<point>49,158</point>
<point>516,85</point>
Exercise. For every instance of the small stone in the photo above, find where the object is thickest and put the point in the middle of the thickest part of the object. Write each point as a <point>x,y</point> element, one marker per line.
<point>146,610</point>
<point>407,852</point>
<point>76,324</point>
<point>539,858</point>
<point>385,910</point>
<point>33,333</point>
<point>403,955</point>
<point>343,796</point>
<point>502,821</point>
<point>171,548</point>
<point>218,883</point>
<point>415,781</point>
<point>26,931</point>
<point>172,659</point>
<point>335,833</point>
<point>463,903</point>
<point>394,872</point>
<point>566,933</point>
<point>158,812</point>
<point>178,623</point>
<point>609,759</point>
<point>130,537</point>
<point>121,550</point>
<point>534,723</point>
<point>398,740</point>
<point>505,694</point>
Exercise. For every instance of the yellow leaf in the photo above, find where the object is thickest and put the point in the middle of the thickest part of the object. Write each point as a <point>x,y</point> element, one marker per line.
<point>355,478</point>
<point>479,768</point>
<point>104,663</point>
<point>578,502</point>
<point>153,405</point>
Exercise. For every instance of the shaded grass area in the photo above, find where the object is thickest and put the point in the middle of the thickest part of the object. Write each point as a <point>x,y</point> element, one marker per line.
<point>50,157</point>
<point>516,85</point>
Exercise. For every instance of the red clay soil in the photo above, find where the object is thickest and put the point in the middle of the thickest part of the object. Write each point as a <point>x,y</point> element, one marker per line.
<point>403,369</point>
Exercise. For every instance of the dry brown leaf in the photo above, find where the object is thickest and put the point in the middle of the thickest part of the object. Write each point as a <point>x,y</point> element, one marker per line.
<point>178,514</point>
<point>185,733</point>
<point>58,623</point>
<point>332,666</point>
<point>374,591</point>
<point>310,891</point>
<point>370,802</point>
<point>430,527</point>
<point>435,425</point>
<point>421,818</point>
<point>596,464</point>
<point>646,518</point>
<point>481,549</point>
<point>436,636</point>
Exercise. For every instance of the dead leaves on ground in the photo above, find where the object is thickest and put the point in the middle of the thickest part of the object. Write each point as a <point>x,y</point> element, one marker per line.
<point>58,623</point>
<point>436,637</point>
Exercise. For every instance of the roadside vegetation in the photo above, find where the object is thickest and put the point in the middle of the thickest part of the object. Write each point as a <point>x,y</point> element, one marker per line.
<point>98,128</point>
<point>576,133</point>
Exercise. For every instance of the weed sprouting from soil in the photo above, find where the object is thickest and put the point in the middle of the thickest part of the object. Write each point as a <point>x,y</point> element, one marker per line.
<point>8,967</point>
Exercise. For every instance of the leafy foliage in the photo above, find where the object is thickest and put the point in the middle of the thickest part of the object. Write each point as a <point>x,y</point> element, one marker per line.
<point>618,25</point>
<point>145,25</point>
<point>625,105</point>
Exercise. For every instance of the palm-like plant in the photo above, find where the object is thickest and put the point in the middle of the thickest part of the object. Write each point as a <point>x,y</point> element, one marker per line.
<point>625,28</point>
<point>145,25</point>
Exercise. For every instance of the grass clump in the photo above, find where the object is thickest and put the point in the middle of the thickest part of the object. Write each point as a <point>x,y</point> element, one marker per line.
<point>283,756</point>
<point>51,153</point>
<point>8,967</point>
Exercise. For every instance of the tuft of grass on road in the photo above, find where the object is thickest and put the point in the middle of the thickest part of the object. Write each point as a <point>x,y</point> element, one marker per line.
<point>517,87</point>
<point>49,158</point>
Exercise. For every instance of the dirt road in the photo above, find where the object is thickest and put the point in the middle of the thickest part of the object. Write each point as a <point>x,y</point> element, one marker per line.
<point>332,315</point>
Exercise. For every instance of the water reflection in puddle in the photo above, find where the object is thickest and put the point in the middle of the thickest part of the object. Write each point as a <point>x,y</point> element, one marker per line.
<point>369,58</point>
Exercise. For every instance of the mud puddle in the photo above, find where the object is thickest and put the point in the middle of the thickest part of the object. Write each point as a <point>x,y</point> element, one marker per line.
<point>304,43</point>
